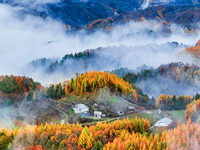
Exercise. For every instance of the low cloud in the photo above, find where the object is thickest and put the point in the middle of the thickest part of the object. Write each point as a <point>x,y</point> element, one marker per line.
<point>30,38</point>
<point>148,3</point>
<point>31,2</point>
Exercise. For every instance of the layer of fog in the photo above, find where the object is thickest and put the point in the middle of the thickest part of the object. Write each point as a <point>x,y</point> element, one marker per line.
<point>4,119</point>
<point>173,78</point>
<point>148,3</point>
<point>166,85</point>
<point>30,2</point>
<point>24,40</point>
<point>145,4</point>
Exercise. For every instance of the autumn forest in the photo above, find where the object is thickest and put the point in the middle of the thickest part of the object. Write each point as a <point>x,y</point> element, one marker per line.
<point>100,75</point>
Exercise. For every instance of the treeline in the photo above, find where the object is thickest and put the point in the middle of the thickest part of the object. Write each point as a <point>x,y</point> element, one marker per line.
<point>69,63</point>
<point>120,134</point>
<point>56,91</point>
<point>169,102</point>
<point>177,71</point>
<point>19,84</point>
<point>83,57</point>
<point>122,71</point>
<point>172,78</point>
<point>91,81</point>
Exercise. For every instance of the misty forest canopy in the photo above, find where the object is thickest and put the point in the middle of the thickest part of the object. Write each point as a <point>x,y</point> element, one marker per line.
<point>172,78</point>
<point>100,59</point>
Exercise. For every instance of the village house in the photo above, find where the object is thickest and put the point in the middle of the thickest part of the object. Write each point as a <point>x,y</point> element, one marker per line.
<point>97,114</point>
<point>165,123</point>
<point>120,113</point>
<point>81,108</point>
<point>130,109</point>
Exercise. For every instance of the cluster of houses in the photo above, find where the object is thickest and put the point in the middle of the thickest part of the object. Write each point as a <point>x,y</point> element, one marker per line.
<point>83,110</point>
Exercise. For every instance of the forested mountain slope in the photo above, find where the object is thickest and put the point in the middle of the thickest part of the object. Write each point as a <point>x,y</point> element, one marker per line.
<point>172,78</point>
<point>80,13</point>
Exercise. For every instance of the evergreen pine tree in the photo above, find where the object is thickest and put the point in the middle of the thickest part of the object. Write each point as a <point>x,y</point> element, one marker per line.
<point>48,145</point>
<point>61,146</point>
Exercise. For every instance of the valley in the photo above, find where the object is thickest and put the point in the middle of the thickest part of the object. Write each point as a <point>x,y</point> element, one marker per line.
<point>99,75</point>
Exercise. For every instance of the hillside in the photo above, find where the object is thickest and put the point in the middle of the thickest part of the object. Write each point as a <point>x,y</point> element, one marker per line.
<point>92,82</point>
<point>172,78</point>
<point>78,14</point>
<point>185,15</point>
<point>35,104</point>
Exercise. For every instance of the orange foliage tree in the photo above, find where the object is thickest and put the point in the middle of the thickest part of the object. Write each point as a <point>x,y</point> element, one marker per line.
<point>192,110</point>
<point>136,141</point>
<point>65,136</point>
<point>184,137</point>
<point>195,50</point>
<point>91,81</point>
<point>121,134</point>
